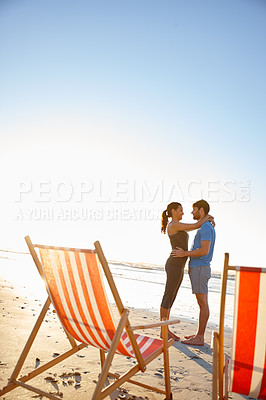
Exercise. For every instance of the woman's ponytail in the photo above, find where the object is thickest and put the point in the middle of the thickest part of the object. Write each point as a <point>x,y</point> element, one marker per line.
<point>168,214</point>
<point>164,221</point>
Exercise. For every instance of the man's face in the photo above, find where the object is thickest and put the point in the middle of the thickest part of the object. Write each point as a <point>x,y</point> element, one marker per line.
<point>195,212</point>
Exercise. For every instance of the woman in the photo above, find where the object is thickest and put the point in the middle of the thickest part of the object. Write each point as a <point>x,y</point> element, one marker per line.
<point>174,266</point>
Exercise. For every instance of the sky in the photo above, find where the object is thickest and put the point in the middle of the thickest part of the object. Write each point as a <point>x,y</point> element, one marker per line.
<point>110,110</point>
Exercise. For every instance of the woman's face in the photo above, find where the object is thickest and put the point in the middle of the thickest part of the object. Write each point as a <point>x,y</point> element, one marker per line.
<point>179,213</point>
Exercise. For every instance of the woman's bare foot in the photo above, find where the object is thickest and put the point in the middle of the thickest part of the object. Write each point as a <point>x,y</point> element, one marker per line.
<point>171,335</point>
<point>189,336</point>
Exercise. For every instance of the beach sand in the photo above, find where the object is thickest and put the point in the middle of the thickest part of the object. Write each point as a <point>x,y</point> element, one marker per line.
<point>74,378</point>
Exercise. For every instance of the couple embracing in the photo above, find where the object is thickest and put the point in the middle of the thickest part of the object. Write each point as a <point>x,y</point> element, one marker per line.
<point>199,263</point>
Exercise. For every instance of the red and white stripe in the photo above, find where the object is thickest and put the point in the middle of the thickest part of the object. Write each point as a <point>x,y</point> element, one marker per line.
<point>146,344</point>
<point>75,284</point>
<point>248,373</point>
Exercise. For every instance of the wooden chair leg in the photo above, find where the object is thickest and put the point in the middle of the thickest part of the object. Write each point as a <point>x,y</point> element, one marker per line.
<point>12,385</point>
<point>166,363</point>
<point>102,357</point>
<point>215,349</point>
<point>110,356</point>
<point>30,340</point>
<point>226,376</point>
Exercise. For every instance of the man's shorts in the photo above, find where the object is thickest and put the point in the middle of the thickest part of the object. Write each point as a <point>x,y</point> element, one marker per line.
<point>199,277</point>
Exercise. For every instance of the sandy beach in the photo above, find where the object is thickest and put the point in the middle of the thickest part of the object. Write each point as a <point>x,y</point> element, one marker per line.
<point>75,378</point>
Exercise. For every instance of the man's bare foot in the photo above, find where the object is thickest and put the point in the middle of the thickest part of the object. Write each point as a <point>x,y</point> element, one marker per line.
<point>194,341</point>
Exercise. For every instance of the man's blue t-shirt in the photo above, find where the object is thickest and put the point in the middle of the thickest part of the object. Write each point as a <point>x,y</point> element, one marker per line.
<point>205,232</point>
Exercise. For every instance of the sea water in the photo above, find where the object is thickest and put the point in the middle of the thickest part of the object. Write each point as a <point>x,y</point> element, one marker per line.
<point>140,286</point>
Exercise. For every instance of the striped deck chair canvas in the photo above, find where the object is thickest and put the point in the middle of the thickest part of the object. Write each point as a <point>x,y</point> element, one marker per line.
<point>245,372</point>
<point>75,286</point>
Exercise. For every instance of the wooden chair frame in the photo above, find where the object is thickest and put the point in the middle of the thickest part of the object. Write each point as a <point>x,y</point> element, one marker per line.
<point>106,361</point>
<point>217,344</point>
<point>221,361</point>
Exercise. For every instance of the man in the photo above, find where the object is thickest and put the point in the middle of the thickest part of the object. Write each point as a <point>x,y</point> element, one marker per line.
<point>199,268</point>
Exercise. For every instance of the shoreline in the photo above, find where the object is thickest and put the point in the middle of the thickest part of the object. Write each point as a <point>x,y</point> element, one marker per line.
<point>74,378</point>
<point>148,283</point>
<point>29,293</point>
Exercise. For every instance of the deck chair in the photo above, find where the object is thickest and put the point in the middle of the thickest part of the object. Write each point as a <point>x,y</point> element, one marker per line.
<point>75,287</point>
<point>245,371</point>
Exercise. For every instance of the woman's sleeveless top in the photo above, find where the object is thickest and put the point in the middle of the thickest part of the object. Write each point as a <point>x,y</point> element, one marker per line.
<point>179,239</point>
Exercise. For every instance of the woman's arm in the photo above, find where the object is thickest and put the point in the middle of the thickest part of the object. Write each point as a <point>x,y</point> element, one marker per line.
<point>180,226</point>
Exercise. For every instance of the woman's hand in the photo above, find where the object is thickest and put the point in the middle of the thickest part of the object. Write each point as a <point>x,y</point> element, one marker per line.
<point>211,220</point>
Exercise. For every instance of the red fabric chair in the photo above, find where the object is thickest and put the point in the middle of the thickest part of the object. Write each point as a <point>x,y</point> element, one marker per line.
<point>245,371</point>
<point>75,287</point>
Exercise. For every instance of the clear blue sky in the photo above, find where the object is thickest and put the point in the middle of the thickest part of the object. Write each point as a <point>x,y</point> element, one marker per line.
<point>123,94</point>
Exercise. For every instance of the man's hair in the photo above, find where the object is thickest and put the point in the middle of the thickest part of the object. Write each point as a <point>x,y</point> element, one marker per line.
<point>202,204</point>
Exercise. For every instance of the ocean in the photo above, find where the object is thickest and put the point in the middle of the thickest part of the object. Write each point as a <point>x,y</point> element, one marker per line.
<point>140,286</point>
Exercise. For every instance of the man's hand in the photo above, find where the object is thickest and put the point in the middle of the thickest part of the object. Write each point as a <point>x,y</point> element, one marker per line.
<point>178,252</point>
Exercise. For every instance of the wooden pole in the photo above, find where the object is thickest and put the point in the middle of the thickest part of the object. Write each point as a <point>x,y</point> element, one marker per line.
<point>35,390</point>
<point>119,304</point>
<point>215,348</point>
<point>40,269</point>
<point>35,258</point>
<point>221,327</point>
<point>166,361</point>
<point>102,357</point>
<point>110,356</point>
<point>30,340</point>
<point>109,277</point>
<point>43,368</point>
